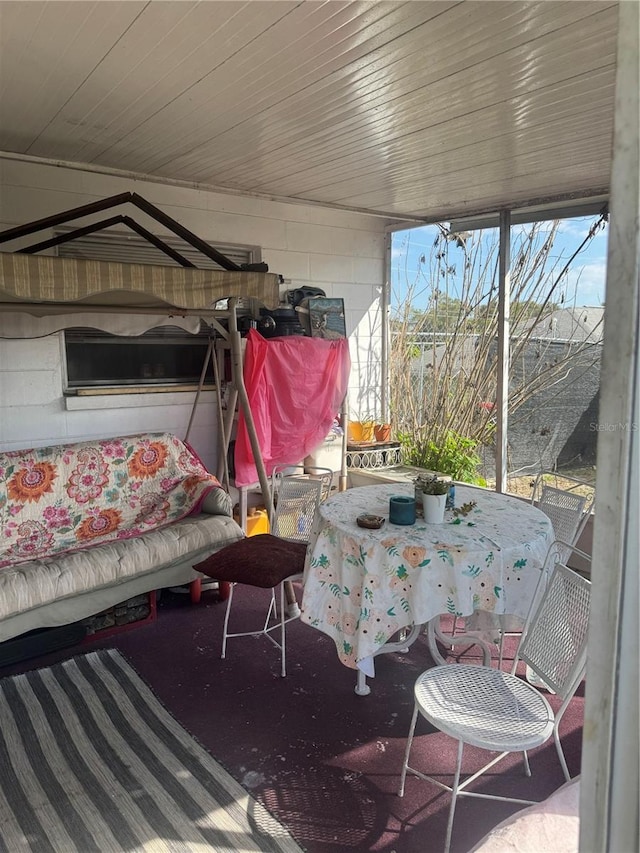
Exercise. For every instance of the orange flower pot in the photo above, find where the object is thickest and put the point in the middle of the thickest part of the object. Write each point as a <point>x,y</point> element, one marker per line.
<point>382,432</point>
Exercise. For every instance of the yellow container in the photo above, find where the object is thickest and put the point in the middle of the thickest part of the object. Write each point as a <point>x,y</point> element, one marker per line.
<point>354,431</point>
<point>367,430</point>
<point>257,522</point>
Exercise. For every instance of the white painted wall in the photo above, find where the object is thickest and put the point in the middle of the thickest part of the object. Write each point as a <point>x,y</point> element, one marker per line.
<point>340,252</point>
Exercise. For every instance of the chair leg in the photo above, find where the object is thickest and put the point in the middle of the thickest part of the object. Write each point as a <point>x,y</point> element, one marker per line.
<point>454,628</point>
<point>563,761</point>
<point>454,798</point>
<point>273,610</point>
<point>527,768</point>
<point>556,726</point>
<point>283,632</point>
<point>225,626</point>
<point>407,750</point>
<point>274,621</point>
<point>501,647</point>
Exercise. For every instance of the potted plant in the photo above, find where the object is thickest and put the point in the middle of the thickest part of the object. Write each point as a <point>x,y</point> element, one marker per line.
<point>382,432</point>
<point>434,498</point>
<point>362,430</point>
<point>453,455</point>
<point>424,481</point>
<point>368,429</point>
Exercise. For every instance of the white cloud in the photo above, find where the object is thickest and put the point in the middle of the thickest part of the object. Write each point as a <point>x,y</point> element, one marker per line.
<point>578,229</point>
<point>586,284</point>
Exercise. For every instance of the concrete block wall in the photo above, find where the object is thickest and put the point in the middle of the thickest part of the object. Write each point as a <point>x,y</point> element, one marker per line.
<point>340,252</point>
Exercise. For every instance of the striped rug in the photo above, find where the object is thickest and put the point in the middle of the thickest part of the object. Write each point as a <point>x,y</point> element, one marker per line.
<point>90,761</point>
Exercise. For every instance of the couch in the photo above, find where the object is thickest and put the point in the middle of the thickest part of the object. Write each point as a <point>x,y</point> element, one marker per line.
<point>88,525</point>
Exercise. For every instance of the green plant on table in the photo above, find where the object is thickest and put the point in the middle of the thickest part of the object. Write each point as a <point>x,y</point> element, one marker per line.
<point>433,485</point>
<point>464,510</point>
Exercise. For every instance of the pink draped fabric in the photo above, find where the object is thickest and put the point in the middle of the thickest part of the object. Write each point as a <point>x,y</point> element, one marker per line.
<point>295,386</point>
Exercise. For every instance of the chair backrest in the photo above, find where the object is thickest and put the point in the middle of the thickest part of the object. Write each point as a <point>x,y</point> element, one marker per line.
<point>296,502</point>
<point>554,637</point>
<point>567,509</point>
<point>312,472</point>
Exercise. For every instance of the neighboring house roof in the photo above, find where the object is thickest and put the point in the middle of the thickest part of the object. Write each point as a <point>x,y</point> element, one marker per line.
<point>462,357</point>
<point>581,323</point>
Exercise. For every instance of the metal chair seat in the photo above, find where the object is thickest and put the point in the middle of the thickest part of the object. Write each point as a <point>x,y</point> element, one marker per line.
<point>485,707</point>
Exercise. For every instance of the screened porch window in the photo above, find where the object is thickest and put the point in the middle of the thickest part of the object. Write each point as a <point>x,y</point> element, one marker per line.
<point>444,334</point>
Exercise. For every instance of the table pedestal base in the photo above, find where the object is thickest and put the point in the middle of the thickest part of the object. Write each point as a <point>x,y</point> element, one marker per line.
<point>362,688</point>
<point>402,645</point>
<point>433,633</point>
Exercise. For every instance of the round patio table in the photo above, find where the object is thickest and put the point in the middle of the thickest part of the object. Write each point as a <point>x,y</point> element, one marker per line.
<point>364,586</point>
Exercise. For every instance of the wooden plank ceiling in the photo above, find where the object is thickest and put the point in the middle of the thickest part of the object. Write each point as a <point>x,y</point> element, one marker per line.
<point>417,109</point>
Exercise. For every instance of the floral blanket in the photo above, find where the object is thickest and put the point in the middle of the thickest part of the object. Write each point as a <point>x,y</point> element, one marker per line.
<point>68,497</point>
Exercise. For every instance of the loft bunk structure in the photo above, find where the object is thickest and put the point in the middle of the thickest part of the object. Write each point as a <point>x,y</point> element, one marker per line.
<point>45,285</point>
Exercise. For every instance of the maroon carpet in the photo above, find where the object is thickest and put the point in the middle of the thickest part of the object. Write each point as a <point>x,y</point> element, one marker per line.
<point>324,761</point>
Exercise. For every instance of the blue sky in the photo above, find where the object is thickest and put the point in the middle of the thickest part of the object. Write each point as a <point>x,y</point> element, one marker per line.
<point>584,283</point>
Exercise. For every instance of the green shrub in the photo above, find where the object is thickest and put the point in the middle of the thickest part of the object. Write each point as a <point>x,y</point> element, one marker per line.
<point>455,455</point>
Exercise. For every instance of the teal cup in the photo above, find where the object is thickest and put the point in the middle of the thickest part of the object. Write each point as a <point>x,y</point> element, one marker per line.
<point>402,510</point>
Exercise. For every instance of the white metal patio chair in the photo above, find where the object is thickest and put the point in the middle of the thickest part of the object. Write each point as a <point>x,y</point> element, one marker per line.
<point>568,507</point>
<point>313,472</point>
<point>269,560</point>
<point>568,510</point>
<point>498,711</point>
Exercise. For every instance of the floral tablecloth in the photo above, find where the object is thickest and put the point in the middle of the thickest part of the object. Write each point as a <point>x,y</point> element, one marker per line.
<point>362,586</point>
